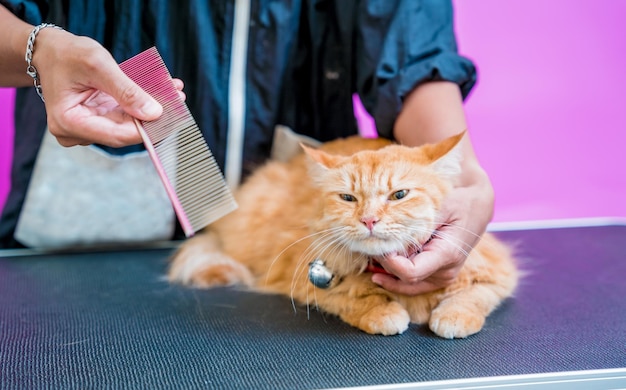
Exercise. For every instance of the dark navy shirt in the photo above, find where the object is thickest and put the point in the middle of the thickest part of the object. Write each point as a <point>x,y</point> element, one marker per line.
<point>305,60</point>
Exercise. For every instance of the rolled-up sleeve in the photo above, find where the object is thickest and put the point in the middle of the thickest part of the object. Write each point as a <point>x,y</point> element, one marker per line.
<point>32,12</point>
<point>400,45</point>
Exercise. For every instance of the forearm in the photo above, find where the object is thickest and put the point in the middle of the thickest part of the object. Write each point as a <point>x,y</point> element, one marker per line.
<point>433,112</point>
<point>12,49</point>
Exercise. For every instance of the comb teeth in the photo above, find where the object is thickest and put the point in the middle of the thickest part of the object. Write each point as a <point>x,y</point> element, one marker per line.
<point>180,154</point>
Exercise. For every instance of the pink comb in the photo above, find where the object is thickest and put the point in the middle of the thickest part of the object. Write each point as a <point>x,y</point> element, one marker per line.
<point>192,178</point>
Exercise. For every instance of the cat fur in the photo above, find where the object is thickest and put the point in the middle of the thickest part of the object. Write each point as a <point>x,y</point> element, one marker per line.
<point>291,213</point>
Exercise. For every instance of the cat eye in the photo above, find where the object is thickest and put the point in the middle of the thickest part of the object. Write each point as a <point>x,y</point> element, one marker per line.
<point>347,197</point>
<point>399,195</point>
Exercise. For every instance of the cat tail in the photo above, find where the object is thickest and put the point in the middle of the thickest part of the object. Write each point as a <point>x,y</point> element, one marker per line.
<point>199,262</point>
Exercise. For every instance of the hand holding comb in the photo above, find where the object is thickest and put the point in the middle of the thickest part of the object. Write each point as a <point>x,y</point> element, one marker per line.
<point>190,174</point>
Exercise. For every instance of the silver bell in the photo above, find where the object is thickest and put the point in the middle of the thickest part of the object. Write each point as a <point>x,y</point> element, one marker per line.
<point>319,274</point>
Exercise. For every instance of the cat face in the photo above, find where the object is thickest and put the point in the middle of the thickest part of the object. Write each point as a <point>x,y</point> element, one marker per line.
<point>377,202</point>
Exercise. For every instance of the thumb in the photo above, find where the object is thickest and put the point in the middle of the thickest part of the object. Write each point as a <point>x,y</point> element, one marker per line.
<point>131,97</point>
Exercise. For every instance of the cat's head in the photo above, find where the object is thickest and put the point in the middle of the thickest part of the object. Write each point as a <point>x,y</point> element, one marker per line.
<point>382,201</point>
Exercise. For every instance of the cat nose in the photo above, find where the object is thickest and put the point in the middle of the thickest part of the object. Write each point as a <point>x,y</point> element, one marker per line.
<point>369,222</point>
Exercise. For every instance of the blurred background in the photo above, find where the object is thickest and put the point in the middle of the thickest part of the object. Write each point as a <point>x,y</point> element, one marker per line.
<point>547,115</point>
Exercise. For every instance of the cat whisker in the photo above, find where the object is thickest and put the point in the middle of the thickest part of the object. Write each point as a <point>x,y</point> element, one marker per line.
<point>328,248</point>
<point>317,306</point>
<point>302,266</point>
<point>412,242</point>
<point>447,236</point>
<point>467,253</point>
<point>406,235</point>
<point>362,260</point>
<point>447,224</point>
<point>354,261</point>
<point>327,240</point>
<point>450,239</point>
<point>455,242</point>
<point>479,237</point>
<point>269,271</point>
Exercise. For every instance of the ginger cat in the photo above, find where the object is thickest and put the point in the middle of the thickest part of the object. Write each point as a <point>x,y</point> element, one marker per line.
<point>346,203</point>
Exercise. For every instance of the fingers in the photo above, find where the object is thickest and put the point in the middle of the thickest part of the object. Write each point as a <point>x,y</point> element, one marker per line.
<point>84,125</point>
<point>135,101</point>
<point>114,135</point>
<point>115,128</point>
<point>434,268</point>
<point>88,97</point>
<point>131,98</point>
<point>179,85</point>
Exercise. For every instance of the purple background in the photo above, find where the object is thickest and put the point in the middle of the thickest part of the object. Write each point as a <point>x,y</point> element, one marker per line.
<point>546,117</point>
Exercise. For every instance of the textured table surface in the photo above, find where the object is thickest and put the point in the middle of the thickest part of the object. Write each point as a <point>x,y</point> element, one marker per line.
<point>109,320</point>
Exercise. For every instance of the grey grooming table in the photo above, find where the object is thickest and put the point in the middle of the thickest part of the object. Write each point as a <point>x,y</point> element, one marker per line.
<point>108,320</point>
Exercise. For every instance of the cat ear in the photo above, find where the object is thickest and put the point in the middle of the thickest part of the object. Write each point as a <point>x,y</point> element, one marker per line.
<point>322,158</point>
<point>446,155</point>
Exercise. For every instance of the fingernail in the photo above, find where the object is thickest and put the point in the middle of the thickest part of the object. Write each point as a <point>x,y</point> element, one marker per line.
<point>151,109</point>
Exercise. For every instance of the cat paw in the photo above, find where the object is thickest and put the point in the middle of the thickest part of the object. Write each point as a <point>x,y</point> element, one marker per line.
<point>389,319</point>
<point>196,268</point>
<point>455,322</point>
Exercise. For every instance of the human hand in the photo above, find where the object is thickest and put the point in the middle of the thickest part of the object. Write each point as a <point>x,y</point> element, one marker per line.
<point>464,216</point>
<point>87,96</point>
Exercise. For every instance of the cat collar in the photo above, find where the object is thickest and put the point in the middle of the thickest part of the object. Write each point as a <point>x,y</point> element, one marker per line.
<point>375,267</point>
<point>319,274</point>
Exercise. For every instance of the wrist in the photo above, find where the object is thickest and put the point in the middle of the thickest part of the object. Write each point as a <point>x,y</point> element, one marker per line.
<point>473,174</point>
<point>32,48</point>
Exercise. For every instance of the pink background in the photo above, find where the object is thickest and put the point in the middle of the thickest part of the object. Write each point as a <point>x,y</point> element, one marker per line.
<point>546,117</point>
<point>6,141</point>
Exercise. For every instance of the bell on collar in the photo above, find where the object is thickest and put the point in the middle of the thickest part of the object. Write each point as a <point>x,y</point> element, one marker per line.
<point>319,274</point>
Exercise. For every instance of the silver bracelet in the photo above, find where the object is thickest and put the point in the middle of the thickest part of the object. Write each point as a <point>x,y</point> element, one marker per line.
<point>30,48</point>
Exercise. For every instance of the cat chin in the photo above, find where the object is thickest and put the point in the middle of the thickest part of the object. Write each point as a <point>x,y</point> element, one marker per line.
<point>378,249</point>
<point>382,251</point>
<point>378,246</point>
